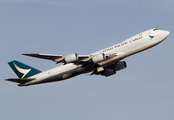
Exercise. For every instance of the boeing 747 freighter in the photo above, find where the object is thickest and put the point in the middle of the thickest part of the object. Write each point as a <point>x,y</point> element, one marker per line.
<point>104,62</point>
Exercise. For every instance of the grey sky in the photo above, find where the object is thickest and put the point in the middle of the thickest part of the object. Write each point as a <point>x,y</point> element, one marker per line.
<point>142,91</point>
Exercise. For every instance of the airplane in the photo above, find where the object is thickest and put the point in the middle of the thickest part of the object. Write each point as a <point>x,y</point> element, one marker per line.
<point>105,62</point>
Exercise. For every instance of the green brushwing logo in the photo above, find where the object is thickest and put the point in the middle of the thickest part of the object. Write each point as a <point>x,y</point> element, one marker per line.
<point>151,36</point>
<point>22,70</point>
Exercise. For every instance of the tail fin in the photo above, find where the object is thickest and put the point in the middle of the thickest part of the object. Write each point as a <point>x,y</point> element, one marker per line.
<point>23,70</point>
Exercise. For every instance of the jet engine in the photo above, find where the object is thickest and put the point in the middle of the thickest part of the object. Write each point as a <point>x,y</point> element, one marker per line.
<point>108,72</point>
<point>119,66</point>
<point>98,58</point>
<point>71,58</point>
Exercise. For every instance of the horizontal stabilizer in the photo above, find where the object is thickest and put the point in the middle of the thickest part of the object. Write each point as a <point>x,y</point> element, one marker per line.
<point>17,80</point>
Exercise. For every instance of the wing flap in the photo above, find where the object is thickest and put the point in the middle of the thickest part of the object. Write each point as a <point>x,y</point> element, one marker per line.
<point>17,80</point>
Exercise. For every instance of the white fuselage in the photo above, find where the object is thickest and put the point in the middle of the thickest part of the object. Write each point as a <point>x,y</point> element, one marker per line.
<point>124,49</point>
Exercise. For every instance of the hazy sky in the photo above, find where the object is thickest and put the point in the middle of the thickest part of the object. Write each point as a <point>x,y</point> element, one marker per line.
<point>142,91</point>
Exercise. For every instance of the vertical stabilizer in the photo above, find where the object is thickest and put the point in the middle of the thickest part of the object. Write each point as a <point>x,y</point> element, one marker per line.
<point>22,70</point>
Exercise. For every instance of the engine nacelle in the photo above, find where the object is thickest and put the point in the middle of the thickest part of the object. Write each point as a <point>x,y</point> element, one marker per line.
<point>98,58</point>
<point>71,58</point>
<point>108,72</point>
<point>120,65</point>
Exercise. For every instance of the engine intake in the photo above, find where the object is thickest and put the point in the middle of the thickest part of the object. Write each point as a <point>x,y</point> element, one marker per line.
<point>71,58</point>
<point>120,65</point>
<point>98,58</point>
<point>108,72</point>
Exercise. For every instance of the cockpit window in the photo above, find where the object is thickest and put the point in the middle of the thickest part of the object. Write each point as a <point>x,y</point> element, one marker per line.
<point>155,29</point>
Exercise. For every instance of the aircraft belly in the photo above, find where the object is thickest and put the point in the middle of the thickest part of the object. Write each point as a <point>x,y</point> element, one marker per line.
<point>141,48</point>
<point>127,53</point>
<point>62,76</point>
<point>112,60</point>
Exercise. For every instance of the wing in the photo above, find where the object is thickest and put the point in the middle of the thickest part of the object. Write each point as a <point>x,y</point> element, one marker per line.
<point>62,58</point>
<point>74,58</point>
<point>45,56</point>
<point>59,58</point>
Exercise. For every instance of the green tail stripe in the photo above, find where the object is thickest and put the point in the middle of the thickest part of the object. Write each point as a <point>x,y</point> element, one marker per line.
<point>22,70</point>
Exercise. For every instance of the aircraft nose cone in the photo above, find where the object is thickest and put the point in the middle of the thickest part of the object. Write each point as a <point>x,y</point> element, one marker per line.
<point>167,33</point>
<point>164,34</point>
